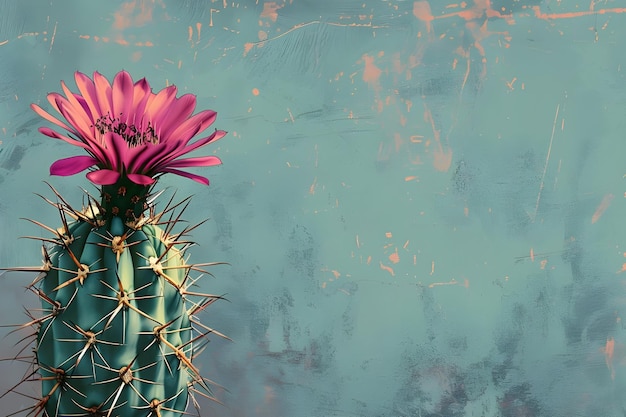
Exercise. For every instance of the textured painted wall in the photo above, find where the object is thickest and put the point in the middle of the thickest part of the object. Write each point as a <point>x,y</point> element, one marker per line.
<point>420,200</point>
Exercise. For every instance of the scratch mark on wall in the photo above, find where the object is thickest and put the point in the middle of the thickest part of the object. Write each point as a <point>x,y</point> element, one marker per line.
<point>545,166</point>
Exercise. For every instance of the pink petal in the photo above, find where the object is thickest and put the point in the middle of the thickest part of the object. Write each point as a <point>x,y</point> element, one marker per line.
<point>200,161</point>
<point>95,149</point>
<point>150,156</point>
<point>194,125</point>
<point>103,176</point>
<point>116,150</point>
<point>141,94</point>
<point>72,165</point>
<point>88,90</point>
<point>179,111</point>
<point>41,112</point>
<point>79,123</point>
<point>86,108</point>
<point>77,109</point>
<point>218,134</point>
<point>103,93</point>
<point>140,179</point>
<point>179,150</point>
<point>197,178</point>
<point>158,104</point>
<point>53,134</point>
<point>122,96</point>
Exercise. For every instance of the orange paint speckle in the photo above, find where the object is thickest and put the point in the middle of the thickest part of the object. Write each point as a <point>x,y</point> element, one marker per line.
<point>604,204</point>
<point>312,187</point>
<point>439,284</point>
<point>394,257</point>
<point>509,84</point>
<point>388,235</point>
<point>255,91</point>
<point>609,350</point>
<point>270,10</point>
<point>421,10</point>
<point>549,16</point>
<point>371,74</point>
<point>442,159</point>
<point>387,268</point>
<point>247,47</point>
<point>129,15</point>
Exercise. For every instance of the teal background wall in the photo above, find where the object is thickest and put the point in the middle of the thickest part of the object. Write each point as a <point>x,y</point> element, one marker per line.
<point>420,201</point>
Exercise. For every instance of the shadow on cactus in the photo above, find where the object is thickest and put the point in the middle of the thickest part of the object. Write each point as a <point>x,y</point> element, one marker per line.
<point>118,331</point>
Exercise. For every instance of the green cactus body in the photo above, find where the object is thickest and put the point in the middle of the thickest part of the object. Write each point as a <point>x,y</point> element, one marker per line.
<point>118,339</point>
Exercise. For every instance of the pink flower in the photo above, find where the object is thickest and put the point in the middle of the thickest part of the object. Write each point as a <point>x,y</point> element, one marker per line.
<point>128,130</point>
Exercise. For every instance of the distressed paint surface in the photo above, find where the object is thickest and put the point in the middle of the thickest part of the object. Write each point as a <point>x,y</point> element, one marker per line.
<point>421,201</point>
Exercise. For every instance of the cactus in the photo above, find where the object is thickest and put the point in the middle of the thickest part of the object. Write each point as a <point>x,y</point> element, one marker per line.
<point>118,331</point>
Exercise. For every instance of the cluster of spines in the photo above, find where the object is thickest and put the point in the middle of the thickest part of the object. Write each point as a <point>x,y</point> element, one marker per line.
<point>59,378</point>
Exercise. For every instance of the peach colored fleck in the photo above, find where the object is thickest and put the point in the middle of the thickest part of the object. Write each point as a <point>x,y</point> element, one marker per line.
<point>609,350</point>
<point>371,74</point>
<point>421,10</point>
<point>247,47</point>
<point>568,15</point>
<point>394,257</point>
<point>439,284</point>
<point>128,15</point>
<point>604,204</point>
<point>270,10</point>
<point>387,268</point>
<point>312,187</point>
<point>442,157</point>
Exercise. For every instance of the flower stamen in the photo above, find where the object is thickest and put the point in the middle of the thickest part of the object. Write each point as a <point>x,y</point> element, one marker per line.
<point>128,132</point>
